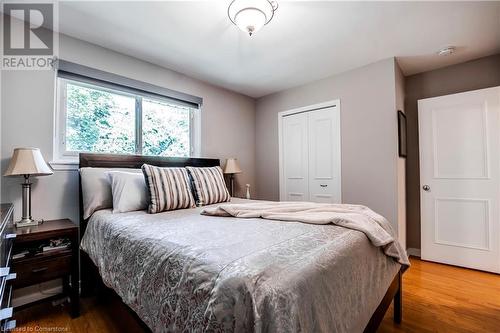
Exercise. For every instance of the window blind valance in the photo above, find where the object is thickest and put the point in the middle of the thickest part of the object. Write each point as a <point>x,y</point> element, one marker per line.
<point>73,71</point>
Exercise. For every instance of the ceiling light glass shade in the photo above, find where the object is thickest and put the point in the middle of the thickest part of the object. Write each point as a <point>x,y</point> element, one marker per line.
<point>251,15</point>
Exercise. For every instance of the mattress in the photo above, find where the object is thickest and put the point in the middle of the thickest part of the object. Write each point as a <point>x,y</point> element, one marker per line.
<point>182,271</point>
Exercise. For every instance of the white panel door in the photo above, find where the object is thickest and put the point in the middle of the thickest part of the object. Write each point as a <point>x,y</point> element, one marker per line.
<point>295,157</point>
<point>459,177</point>
<point>324,155</point>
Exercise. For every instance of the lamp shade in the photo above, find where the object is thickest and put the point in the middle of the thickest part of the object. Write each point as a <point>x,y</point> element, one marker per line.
<point>232,166</point>
<point>27,161</point>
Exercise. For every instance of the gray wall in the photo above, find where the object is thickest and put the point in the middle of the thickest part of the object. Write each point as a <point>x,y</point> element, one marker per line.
<point>369,134</point>
<point>401,161</point>
<point>27,117</point>
<point>472,75</point>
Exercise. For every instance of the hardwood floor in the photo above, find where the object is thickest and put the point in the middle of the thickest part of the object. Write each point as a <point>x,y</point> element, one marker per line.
<point>443,298</point>
<point>436,298</point>
<point>105,314</point>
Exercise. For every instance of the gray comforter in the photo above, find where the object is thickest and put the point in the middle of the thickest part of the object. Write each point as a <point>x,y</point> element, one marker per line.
<point>181,271</point>
<point>356,217</point>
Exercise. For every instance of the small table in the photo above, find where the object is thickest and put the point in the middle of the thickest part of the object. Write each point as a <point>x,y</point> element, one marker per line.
<point>52,264</point>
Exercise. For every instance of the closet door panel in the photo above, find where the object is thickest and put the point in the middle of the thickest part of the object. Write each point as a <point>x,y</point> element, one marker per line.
<point>295,157</point>
<point>323,156</point>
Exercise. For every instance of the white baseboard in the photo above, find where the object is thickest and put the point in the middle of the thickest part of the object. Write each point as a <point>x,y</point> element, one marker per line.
<point>413,252</point>
<point>36,292</point>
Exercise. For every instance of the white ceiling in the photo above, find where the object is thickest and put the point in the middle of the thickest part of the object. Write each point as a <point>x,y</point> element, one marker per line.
<point>305,41</point>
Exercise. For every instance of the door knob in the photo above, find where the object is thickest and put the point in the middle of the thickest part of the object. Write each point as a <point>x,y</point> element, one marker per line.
<point>426,188</point>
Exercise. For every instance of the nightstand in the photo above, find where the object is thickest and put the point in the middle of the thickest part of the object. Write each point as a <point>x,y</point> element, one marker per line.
<point>47,264</point>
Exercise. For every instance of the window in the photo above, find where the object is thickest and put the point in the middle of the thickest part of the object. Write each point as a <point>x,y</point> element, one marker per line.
<point>165,129</point>
<point>103,118</point>
<point>98,120</point>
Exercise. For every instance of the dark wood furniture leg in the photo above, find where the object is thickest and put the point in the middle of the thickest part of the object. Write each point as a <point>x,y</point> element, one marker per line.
<point>89,275</point>
<point>398,301</point>
<point>74,293</point>
<point>393,293</point>
<point>66,285</point>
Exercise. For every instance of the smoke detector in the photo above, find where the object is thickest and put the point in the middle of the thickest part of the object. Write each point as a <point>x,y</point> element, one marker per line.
<point>446,51</point>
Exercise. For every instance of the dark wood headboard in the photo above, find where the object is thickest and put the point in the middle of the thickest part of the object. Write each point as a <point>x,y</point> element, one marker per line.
<point>134,162</point>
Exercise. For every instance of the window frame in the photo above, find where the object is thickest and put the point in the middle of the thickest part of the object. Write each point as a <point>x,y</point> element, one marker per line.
<point>64,157</point>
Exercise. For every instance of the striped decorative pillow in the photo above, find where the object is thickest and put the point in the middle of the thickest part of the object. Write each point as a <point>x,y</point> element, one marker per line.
<point>168,188</point>
<point>209,185</point>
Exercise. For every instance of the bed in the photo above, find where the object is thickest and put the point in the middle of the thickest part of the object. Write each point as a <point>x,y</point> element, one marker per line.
<point>182,271</point>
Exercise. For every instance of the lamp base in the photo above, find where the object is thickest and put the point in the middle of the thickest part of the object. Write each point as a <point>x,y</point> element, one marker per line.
<point>27,223</point>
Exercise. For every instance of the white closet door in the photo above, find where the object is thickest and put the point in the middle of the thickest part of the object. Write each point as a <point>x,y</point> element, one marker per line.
<point>460,178</point>
<point>295,157</point>
<point>324,155</point>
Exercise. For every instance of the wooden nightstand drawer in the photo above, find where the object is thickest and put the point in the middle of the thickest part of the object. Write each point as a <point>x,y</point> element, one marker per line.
<point>36,270</point>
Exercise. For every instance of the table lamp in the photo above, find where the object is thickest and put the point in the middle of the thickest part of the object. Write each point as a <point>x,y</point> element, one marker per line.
<point>232,167</point>
<point>27,162</point>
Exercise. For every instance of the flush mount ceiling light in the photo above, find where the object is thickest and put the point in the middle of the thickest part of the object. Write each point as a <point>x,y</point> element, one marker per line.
<point>251,15</point>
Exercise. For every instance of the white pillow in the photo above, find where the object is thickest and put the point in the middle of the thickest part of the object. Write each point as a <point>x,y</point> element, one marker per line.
<point>129,191</point>
<point>96,188</point>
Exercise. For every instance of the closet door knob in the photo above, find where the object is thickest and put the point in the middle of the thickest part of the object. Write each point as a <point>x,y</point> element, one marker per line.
<point>426,188</point>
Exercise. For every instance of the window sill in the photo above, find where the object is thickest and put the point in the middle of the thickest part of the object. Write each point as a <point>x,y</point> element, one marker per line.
<point>64,165</point>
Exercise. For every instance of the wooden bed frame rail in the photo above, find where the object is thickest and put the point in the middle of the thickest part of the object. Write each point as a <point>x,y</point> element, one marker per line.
<point>91,280</point>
